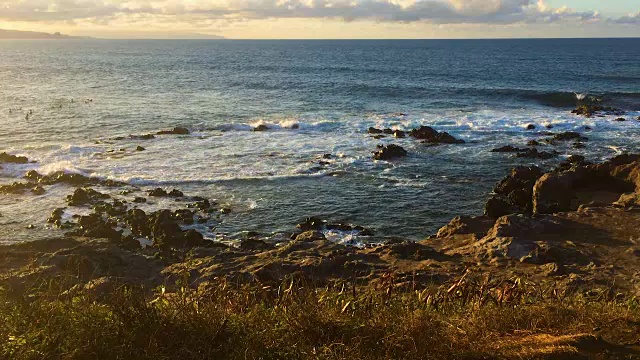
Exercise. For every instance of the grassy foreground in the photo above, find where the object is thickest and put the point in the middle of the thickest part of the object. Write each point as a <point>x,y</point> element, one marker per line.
<point>468,319</point>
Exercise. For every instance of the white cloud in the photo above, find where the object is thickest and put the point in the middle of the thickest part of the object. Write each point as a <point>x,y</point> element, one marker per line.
<point>429,11</point>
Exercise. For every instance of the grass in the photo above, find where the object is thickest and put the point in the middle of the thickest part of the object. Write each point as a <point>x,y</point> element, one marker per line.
<point>472,318</point>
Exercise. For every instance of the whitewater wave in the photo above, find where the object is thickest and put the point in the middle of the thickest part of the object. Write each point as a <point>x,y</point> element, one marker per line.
<point>279,125</point>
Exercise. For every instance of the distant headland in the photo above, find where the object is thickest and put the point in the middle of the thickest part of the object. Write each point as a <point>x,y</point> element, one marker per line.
<point>15,34</point>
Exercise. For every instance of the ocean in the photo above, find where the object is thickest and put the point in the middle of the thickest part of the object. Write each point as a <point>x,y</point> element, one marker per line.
<point>66,103</point>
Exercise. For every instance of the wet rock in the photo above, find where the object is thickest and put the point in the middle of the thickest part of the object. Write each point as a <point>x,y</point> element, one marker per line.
<point>576,159</point>
<point>140,148</point>
<point>514,193</point>
<point>399,134</point>
<point>535,154</point>
<point>83,196</point>
<point>13,159</point>
<point>139,223</point>
<point>569,135</point>
<point>362,231</point>
<point>508,149</point>
<point>139,200</point>
<point>620,119</point>
<point>589,110</point>
<point>549,126</point>
<point>261,127</point>
<point>38,190</point>
<point>309,236</point>
<point>56,217</point>
<point>158,192</point>
<point>423,133</point>
<point>533,143</point>
<point>431,136</point>
<point>295,126</point>
<point>142,137</point>
<point>312,223</point>
<point>175,131</point>
<point>389,152</point>
<point>578,145</point>
<point>531,127</point>
<point>176,193</point>
<point>373,130</point>
<point>95,226</point>
<point>15,188</point>
<point>73,179</point>
<point>388,131</point>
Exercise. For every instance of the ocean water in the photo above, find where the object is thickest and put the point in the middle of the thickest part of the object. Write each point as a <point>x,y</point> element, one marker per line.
<point>81,94</point>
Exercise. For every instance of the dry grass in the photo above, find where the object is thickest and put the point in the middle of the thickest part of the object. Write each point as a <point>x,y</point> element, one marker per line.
<point>472,318</point>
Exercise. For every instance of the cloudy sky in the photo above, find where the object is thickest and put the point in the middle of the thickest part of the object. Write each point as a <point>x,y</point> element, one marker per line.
<point>325,18</point>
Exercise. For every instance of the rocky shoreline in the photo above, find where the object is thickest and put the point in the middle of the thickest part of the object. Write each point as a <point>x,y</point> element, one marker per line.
<point>575,227</point>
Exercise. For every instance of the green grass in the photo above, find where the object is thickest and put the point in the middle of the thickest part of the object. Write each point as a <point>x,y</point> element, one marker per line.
<point>470,319</point>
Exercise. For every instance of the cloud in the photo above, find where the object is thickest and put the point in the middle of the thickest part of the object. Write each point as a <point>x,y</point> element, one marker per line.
<point>633,19</point>
<point>429,11</point>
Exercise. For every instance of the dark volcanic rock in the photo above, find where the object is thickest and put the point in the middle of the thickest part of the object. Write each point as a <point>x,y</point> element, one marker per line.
<point>533,143</point>
<point>535,154</point>
<point>531,127</point>
<point>159,192</point>
<point>399,134</point>
<point>589,110</point>
<point>620,119</point>
<point>140,148</point>
<point>312,223</point>
<point>514,193</point>
<point>373,130</point>
<point>568,135</point>
<point>431,136</point>
<point>56,217</point>
<point>15,188</point>
<point>389,152</point>
<point>175,131</point>
<point>13,159</point>
<point>83,196</point>
<point>142,137</point>
<point>261,127</point>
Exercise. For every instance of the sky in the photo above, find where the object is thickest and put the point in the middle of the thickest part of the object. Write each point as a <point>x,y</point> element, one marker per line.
<point>325,19</point>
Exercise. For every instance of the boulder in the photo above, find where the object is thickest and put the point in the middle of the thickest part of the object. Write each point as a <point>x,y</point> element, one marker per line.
<point>83,196</point>
<point>373,130</point>
<point>13,159</point>
<point>175,131</point>
<point>462,225</point>
<point>514,193</point>
<point>389,152</point>
<point>582,184</point>
<point>536,154</point>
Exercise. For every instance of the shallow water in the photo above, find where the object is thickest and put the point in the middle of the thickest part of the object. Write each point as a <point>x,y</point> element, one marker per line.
<point>83,94</point>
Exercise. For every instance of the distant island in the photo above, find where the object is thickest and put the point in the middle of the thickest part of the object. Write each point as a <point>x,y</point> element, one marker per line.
<point>15,34</point>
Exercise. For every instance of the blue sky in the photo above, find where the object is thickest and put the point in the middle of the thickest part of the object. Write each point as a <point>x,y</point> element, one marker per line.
<point>327,19</point>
